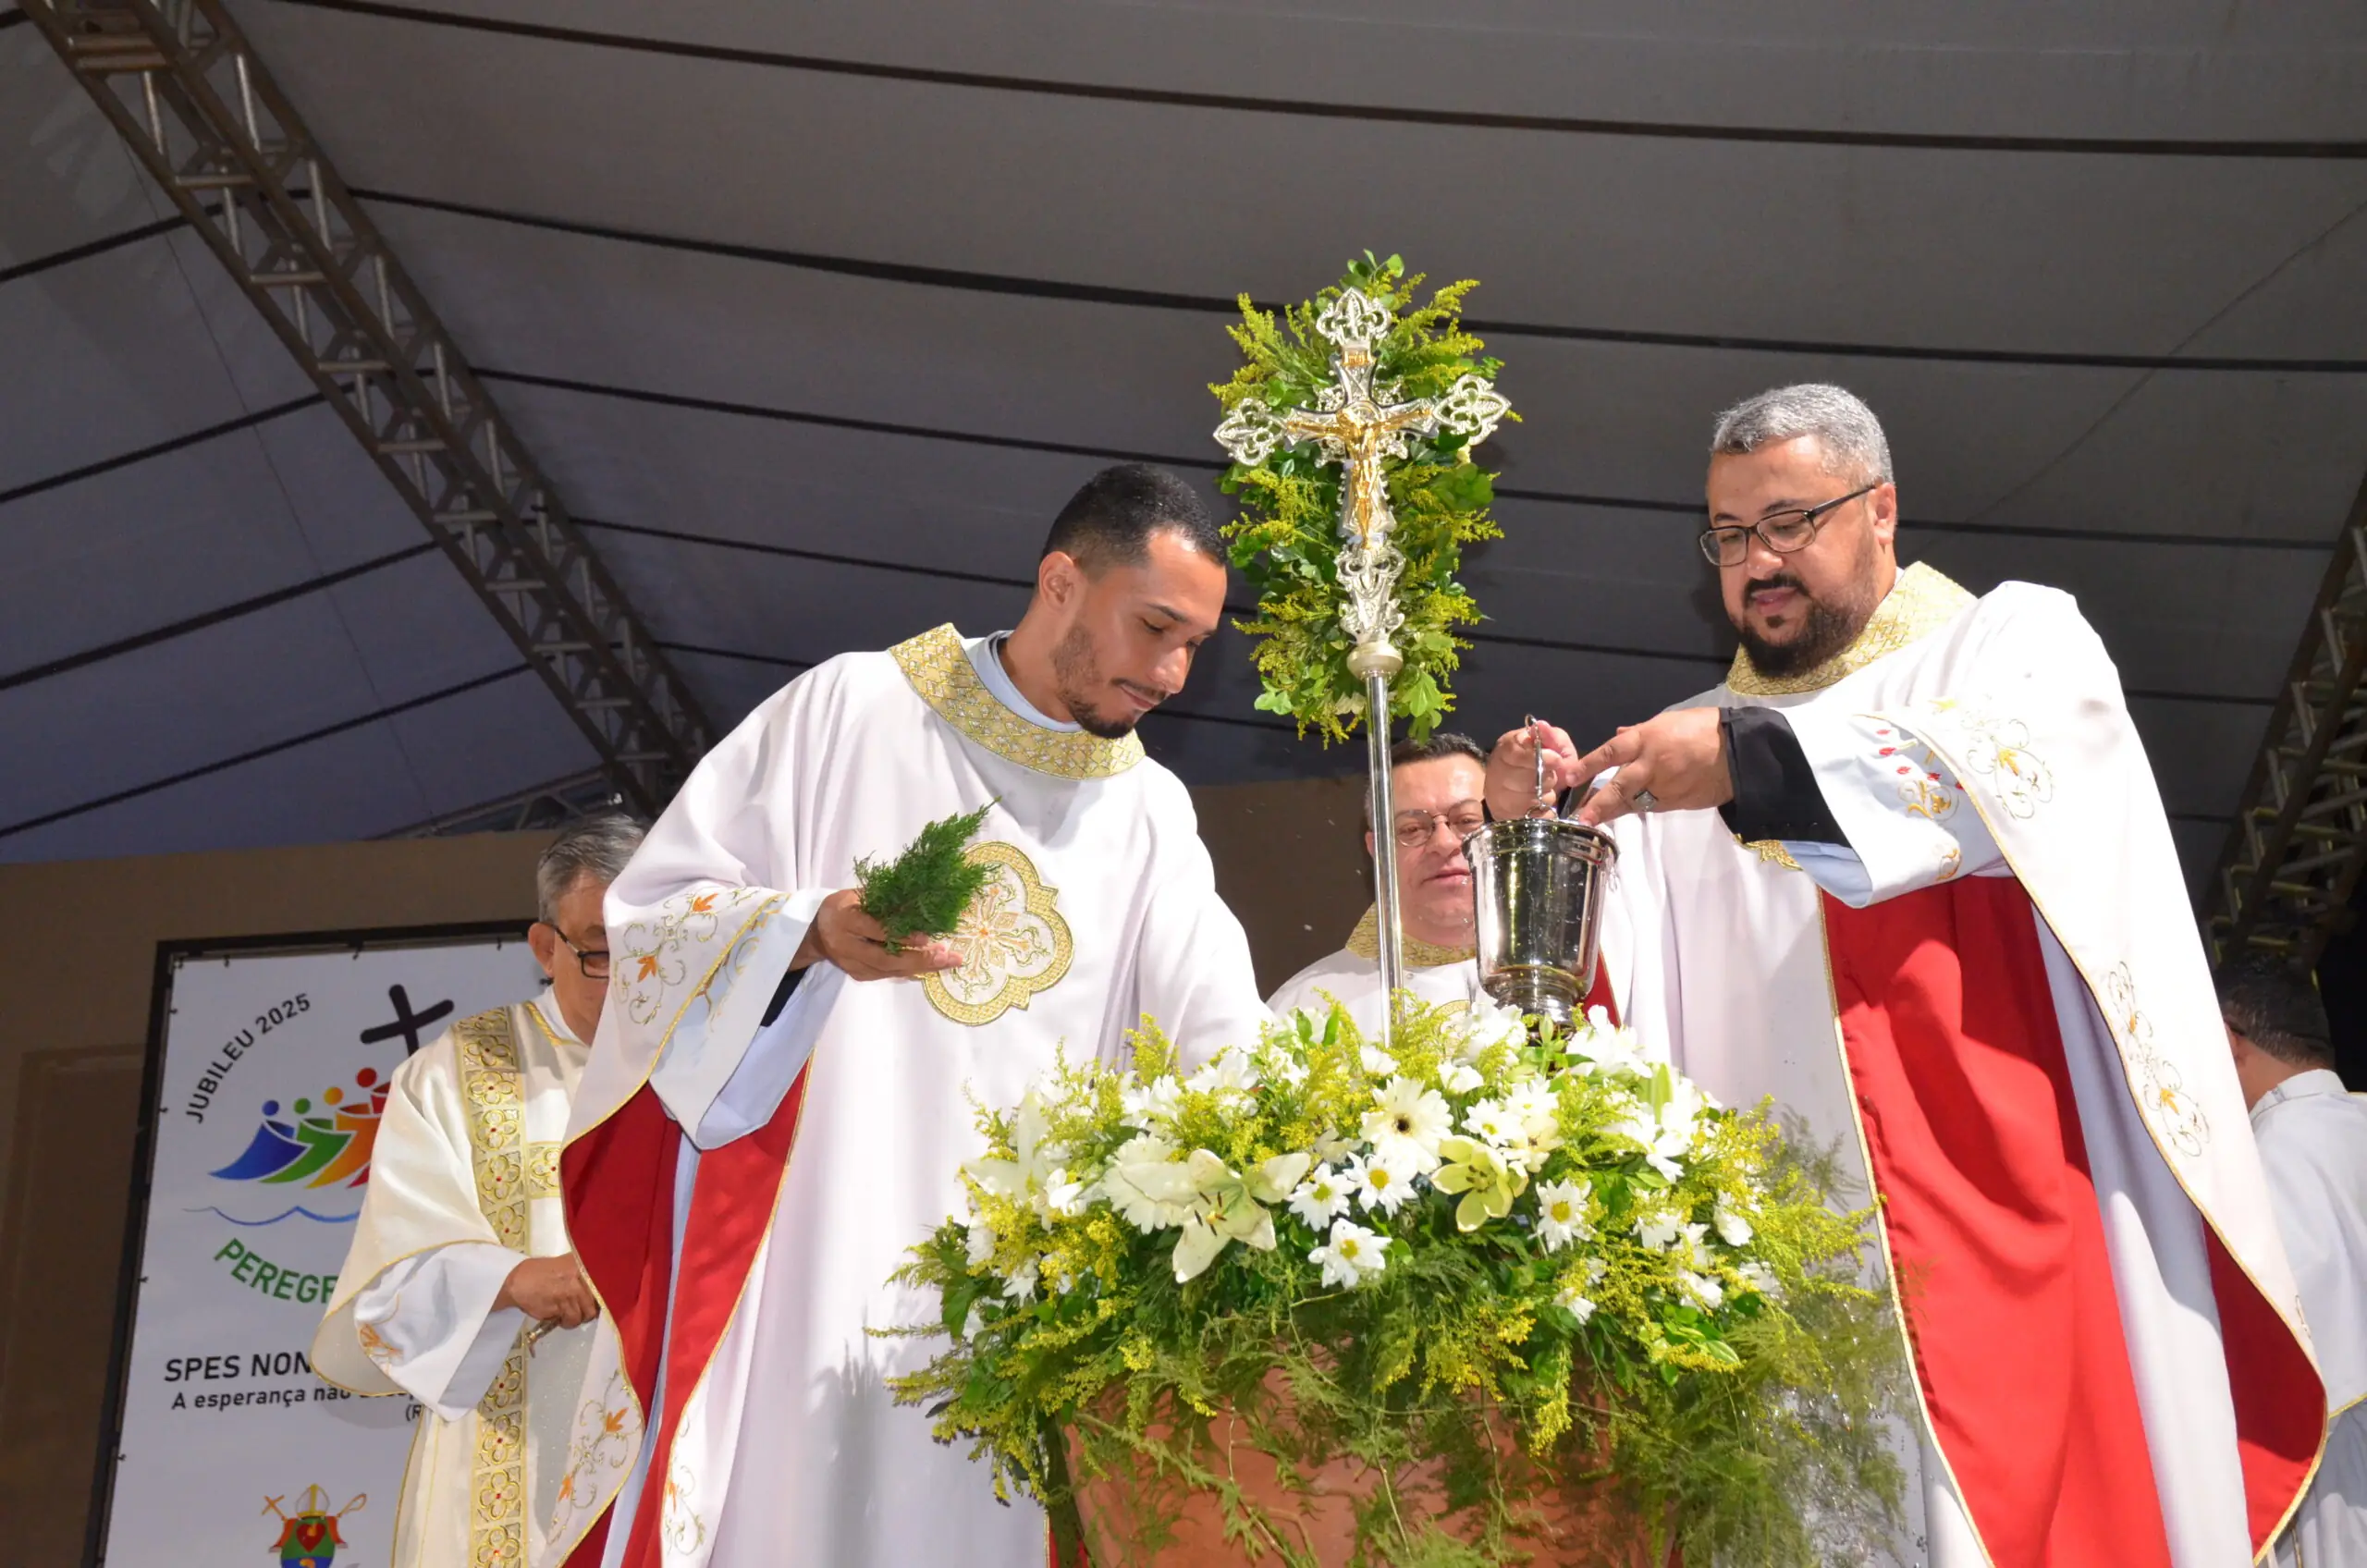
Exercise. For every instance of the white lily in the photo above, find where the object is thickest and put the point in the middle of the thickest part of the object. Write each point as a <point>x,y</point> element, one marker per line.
<point>1488,1022</point>
<point>1138,1177</point>
<point>1706,1292</point>
<point>1459,1077</point>
<point>1036,1168</point>
<point>981,1243</point>
<point>1377,1062</point>
<point>1224,1208</point>
<point>1150,1104</point>
<point>1231,1072</point>
<point>1732,1228</point>
<point>1352,1256</point>
<point>1658,1231</point>
<point>1020,1286</point>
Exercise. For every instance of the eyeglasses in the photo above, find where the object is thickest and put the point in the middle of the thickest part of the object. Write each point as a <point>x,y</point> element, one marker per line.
<point>1782,532</point>
<point>1415,827</point>
<point>595,964</point>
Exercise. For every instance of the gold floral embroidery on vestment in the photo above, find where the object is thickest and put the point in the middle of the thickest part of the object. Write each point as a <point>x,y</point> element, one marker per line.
<point>1365,942</point>
<point>2161,1088</point>
<point>940,670</point>
<point>489,1081</point>
<point>602,1441</point>
<point>1919,603</point>
<point>542,1170</point>
<point>1999,751</point>
<point>680,1522</point>
<point>1011,938</point>
<point>374,1345</point>
<point>655,958</point>
<point>1771,851</point>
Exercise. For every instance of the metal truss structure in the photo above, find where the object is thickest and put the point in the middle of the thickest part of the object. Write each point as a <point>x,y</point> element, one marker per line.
<point>554,804</point>
<point>2300,841</point>
<point>180,81</point>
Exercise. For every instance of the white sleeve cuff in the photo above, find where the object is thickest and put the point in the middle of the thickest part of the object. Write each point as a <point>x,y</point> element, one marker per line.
<point>431,1315</point>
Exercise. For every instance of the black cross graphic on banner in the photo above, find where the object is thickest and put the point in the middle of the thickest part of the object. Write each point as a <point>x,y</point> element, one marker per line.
<point>407,1024</point>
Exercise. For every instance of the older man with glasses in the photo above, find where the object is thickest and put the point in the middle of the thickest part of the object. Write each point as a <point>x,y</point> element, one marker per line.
<point>1906,873</point>
<point>461,1261</point>
<point>1437,784</point>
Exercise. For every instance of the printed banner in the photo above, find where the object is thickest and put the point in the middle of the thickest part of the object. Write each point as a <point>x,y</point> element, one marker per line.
<point>274,1074</point>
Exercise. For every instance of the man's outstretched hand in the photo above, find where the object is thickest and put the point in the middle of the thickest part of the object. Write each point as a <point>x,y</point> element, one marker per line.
<point>843,934</point>
<point>549,1289</point>
<point>1680,756</point>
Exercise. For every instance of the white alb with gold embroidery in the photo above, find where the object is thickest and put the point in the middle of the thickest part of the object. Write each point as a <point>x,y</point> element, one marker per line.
<point>464,1187</point>
<point>1103,908</point>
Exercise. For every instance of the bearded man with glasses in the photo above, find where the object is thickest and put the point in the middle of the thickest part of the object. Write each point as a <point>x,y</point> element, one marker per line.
<point>1437,783</point>
<point>1906,873</point>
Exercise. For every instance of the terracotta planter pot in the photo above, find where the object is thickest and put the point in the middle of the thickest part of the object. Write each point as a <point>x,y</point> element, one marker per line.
<point>1121,1513</point>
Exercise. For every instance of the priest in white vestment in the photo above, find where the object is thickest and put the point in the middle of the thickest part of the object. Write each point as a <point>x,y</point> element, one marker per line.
<point>1907,872</point>
<point>744,1173</point>
<point>459,1269</point>
<point>1437,783</point>
<point>2313,1141</point>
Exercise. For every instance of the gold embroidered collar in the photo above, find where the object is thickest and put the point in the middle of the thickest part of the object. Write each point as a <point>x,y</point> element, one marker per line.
<point>1921,602</point>
<point>938,667</point>
<point>1365,942</point>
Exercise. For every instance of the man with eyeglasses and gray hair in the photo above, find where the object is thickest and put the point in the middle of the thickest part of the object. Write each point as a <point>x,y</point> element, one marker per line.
<point>461,1265</point>
<point>1437,782</point>
<point>1907,872</point>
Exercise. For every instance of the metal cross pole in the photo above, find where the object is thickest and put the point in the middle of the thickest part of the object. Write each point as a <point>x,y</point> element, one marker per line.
<point>179,82</point>
<point>1360,426</point>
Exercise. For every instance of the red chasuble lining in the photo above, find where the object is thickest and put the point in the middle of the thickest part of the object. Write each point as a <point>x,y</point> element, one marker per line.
<point>1991,1211</point>
<point>733,1199</point>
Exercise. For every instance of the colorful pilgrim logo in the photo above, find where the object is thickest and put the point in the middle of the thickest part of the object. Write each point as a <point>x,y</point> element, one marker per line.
<point>308,1537</point>
<point>318,1143</point>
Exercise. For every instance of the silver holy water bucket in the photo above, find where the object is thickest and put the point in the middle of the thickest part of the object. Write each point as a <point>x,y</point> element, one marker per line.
<point>1539,883</point>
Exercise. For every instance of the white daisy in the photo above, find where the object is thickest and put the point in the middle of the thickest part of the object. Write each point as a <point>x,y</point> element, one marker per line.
<point>1459,1077</point>
<point>1352,1256</point>
<point>1231,1073</point>
<point>1407,1123</point>
<point>1573,1301</point>
<point>1020,1286</point>
<point>982,1242</point>
<point>1491,1123</point>
<point>1320,1198</point>
<point>1561,1214</point>
<point>1377,1184</point>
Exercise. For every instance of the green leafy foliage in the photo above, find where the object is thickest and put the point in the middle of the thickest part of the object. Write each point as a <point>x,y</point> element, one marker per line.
<point>1286,540</point>
<point>923,891</point>
<point>1665,1317</point>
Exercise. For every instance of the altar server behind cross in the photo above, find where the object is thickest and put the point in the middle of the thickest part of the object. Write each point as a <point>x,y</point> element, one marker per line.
<point>2313,1141</point>
<point>742,1187</point>
<point>1438,783</point>
<point>1907,872</point>
<point>459,1263</point>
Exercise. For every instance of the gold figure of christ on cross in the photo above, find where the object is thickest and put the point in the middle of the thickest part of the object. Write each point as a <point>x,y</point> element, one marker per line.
<point>1356,425</point>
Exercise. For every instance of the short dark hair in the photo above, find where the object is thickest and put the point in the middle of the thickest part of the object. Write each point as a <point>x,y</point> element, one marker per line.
<point>2277,1007</point>
<point>1441,744</point>
<point>1110,522</point>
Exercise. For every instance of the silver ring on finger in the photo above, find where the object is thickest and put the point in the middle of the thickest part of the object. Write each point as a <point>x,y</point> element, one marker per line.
<point>1645,800</point>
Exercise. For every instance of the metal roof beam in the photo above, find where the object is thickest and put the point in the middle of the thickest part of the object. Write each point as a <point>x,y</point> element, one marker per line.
<point>181,84</point>
<point>2299,843</point>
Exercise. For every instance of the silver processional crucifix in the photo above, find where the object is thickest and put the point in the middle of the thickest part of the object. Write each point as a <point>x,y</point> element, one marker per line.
<point>1360,426</point>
